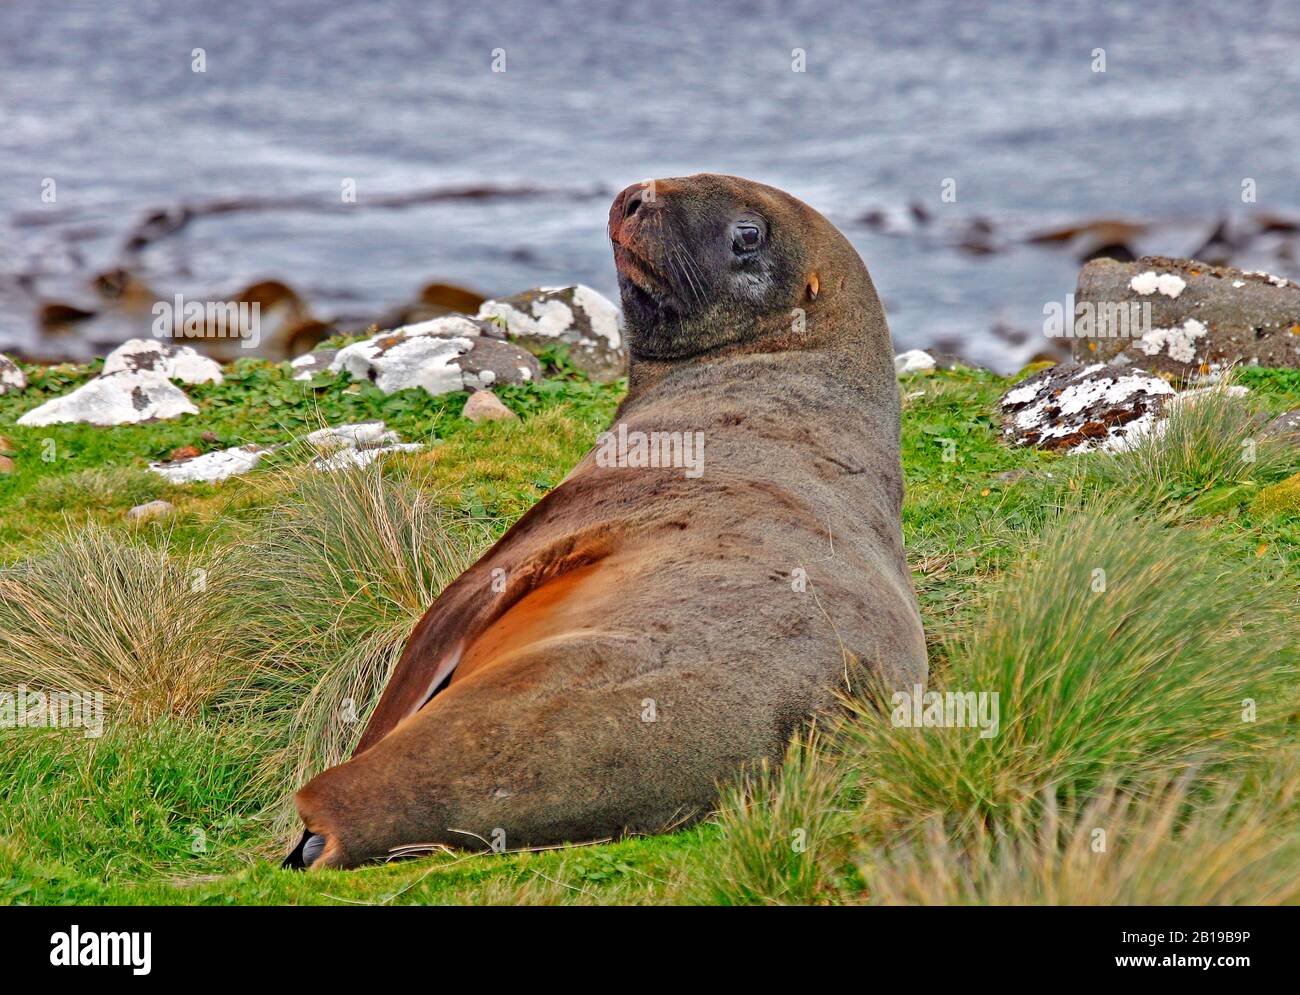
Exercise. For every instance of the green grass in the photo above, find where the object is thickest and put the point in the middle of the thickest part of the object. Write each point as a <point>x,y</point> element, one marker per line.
<point>1121,707</point>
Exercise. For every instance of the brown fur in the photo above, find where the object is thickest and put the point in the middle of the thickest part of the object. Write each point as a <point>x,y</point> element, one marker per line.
<point>631,591</point>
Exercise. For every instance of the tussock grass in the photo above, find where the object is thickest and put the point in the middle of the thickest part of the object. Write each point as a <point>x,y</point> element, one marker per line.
<point>782,834</point>
<point>345,565</point>
<point>1211,439</point>
<point>1121,646</point>
<point>1167,844</point>
<point>151,629</point>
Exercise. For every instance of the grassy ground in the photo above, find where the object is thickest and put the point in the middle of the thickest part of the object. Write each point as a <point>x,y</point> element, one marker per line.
<point>1154,703</point>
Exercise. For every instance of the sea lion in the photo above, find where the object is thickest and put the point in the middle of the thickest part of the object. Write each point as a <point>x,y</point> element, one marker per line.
<point>647,630</point>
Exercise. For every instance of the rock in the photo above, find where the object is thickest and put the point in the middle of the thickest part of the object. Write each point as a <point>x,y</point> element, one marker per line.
<point>12,378</point>
<point>576,316</point>
<point>149,511</point>
<point>211,467</point>
<point>1282,498</point>
<point>348,459</point>
<point>441,356</point>
<point>1084,408</point>
<point>913,361</point>
<point>351,446</point>
<point>184,453</point>
<point>483,405</point>
<point>121,398</point>
<point>354,436</point>
<point>7,464</point>
<point>1201,316</point>
<point>1286,424</point>
<point>309,364</point>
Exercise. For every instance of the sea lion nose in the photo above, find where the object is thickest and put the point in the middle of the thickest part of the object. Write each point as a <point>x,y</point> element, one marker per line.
<point>633,199</point>
<point>631,202</point>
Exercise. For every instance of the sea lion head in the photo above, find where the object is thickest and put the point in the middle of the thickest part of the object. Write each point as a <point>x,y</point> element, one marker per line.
<point>710,261</point>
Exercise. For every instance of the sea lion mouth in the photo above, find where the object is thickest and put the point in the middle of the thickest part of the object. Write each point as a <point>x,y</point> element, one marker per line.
<point>638,270</point>
<point>645,290</point>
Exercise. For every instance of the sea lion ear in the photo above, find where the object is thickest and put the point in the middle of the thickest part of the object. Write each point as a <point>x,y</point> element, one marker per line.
<point>814,285</point>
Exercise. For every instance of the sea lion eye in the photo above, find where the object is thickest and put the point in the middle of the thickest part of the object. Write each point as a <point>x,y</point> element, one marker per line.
<point>746,236</point>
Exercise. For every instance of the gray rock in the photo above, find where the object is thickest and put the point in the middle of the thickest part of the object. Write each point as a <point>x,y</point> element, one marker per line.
<point>441,356</point>
<point>1084,408</point>
<point>12,378</point>
<point>576,316</point>
<point>121,398</point>
<point>150,510</point>
<point>175,362</point>
<point>1202,317</point>
<point>1286,424</point>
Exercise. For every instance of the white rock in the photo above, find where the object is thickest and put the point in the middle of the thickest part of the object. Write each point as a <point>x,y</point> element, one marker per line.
<point>409,362</point>
<point>12,378</point>
<point>211,467</point>
<point>421,356</point>
<point>123,398</point>
<point>348,459</point>
<point>175,362</point>
<point>368,433</point>
<point>913,361</point>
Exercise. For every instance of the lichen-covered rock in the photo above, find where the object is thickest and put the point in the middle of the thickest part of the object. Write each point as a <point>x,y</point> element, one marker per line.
<point>913,361</point>
<point>483,405</point>
<point>309,364</point>
<point>121,398</point>
<point>1083,408</point>
<point>1201,316</point>
<point>577,316</point>
<point>211,467</point>
<point>175,362</point>
<point>441,356</point>
<point>12,378</point>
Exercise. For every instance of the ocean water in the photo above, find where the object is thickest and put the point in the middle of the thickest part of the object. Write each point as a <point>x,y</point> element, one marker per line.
<point>400,97</point>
